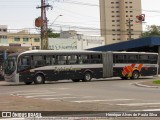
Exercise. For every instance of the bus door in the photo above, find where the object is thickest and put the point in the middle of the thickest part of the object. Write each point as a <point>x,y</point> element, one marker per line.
<point>107,64</point>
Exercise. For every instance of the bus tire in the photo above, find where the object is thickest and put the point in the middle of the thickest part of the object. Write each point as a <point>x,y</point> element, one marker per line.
<point>39,79</point>
<point>28,83</point>
<point>75,80</point>
<point>135,74</point>
<point>87,77</point>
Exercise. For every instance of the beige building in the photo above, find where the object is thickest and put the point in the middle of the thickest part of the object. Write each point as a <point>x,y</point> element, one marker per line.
<point>24,38</point>
<point>118,20</point>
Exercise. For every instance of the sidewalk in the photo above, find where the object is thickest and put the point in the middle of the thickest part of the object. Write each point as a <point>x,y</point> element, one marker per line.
<point>148,84</point>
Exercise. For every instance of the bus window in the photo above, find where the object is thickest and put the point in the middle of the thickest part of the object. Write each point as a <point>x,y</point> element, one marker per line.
<point>133,59</point>
<point>144,59</point>
<point>62,60</point>
<point>83,59</point>
<point>24,63</point>
<point>119,59</point>
<point>153,59</point>
<point>96,58</point>
<point>38,61</point>
<point>48,60</point>
<point>72,59</point>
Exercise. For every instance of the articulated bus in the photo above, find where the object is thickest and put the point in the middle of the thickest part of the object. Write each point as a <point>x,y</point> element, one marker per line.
<point>39,66</point>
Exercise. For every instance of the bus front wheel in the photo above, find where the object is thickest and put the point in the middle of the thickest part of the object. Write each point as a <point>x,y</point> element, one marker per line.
<point>135,75</point>
<point>87,77</point>
<point>39,79</point>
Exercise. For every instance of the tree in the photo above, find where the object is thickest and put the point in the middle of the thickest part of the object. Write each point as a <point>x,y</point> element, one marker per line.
<point>51,34</point>
<point>152,30</point>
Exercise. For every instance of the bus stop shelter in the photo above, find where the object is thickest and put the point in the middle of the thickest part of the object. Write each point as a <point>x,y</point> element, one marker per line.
<point>148,44</point>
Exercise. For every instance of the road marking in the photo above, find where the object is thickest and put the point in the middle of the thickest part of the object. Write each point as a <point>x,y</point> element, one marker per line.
<point>72,97</point>
<point>138,104</point>
<point>83,101</point>
<point>24,94</point>
<point>46,95</point>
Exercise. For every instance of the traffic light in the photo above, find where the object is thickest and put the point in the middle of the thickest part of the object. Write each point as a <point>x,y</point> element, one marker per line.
<point>140,18</point>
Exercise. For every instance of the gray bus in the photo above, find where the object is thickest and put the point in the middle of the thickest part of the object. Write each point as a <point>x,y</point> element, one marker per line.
<point>39,66</point>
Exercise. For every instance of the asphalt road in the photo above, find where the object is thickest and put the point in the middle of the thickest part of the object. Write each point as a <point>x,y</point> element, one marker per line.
<point>98,95</point>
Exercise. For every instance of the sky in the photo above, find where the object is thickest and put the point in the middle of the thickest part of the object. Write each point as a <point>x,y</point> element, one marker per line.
<point>82,15</point>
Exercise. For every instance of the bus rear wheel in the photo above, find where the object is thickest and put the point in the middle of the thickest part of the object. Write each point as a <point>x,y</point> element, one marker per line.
<point>39,79</point>
<point>135,75</point>
<point>87,77</point>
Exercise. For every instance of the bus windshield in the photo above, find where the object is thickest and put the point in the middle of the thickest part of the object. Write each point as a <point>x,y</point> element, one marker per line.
<point>10,65</point>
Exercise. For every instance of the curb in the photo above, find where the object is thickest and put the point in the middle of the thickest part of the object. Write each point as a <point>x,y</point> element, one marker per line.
<point>147,86</point>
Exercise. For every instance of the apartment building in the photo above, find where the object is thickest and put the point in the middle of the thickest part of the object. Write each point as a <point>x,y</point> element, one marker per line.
<point>3,34</point>
<point>24,38</point>
<point>118,20</point>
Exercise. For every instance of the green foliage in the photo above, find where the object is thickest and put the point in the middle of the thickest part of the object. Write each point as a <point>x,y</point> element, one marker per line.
<point>51,34</point>
<point>152,30</point>
<point>156,81</point>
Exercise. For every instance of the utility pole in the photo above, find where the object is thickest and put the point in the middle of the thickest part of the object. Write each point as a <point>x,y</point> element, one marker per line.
<point>44,26</point>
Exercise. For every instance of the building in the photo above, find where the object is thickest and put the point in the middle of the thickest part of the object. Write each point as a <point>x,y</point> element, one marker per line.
<point>24,38</point>
<point>118,20</point>
<point>70,40</point>
<point>3,34</point>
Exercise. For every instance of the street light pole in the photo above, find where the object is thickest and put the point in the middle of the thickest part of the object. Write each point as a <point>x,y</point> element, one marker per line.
<point>55,19</point>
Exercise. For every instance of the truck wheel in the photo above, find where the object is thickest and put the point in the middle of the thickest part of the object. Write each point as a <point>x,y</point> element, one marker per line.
<point>135,75</point>
<point>87,77</point>
<point>39,79</point>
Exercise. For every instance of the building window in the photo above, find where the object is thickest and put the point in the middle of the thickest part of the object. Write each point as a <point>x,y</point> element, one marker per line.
<point>25,39</point>
<point>36,40</point>
<point>17,39</point>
